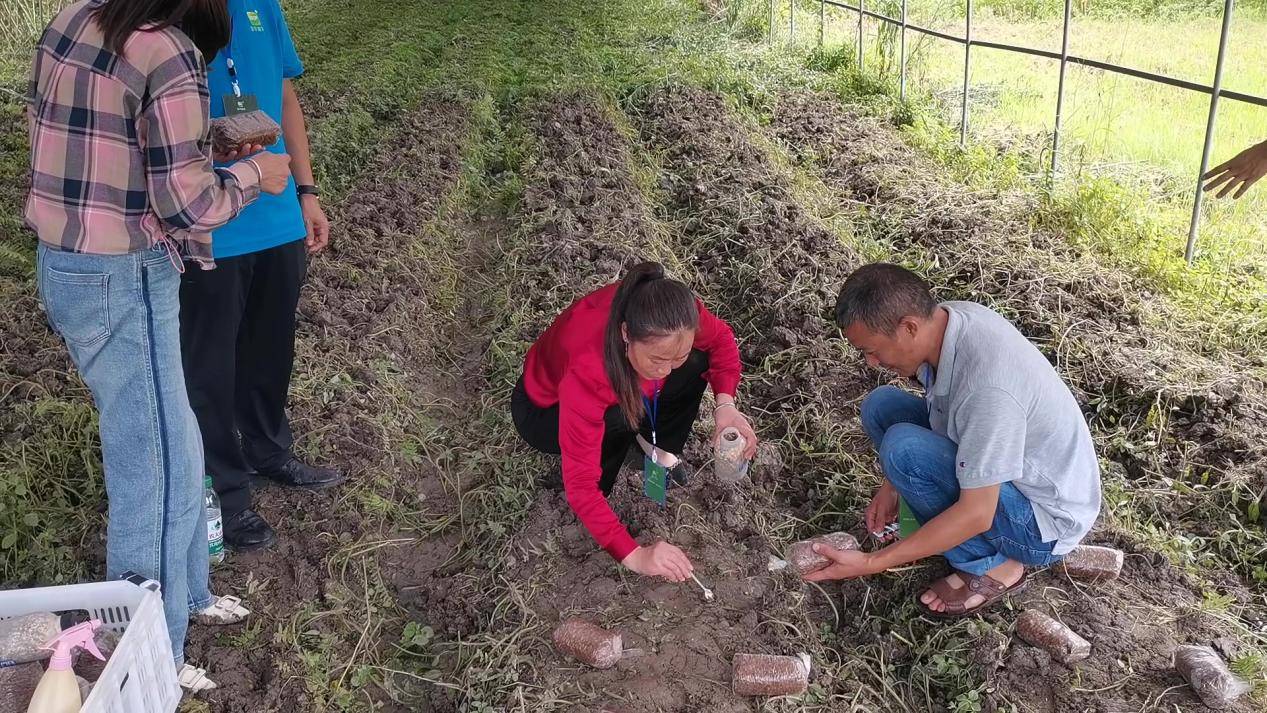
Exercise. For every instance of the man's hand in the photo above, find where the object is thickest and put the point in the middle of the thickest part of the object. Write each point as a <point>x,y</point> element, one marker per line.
<point>240,152</point>
<point>317,223</point>
<point>883,508</point>
<point>728,415</point>
<point>846,564</point>
<point>1243,170</point>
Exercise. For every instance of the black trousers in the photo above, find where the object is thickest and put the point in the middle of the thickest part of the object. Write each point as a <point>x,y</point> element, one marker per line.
<point>237,332</point>
<point>679,407</point>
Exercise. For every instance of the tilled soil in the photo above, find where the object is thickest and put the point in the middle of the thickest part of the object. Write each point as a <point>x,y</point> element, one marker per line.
<point>766,265</point>
<point>583,214</point>
<point>360,333</point>
<point>714,176</point>
<point>1104,330</point>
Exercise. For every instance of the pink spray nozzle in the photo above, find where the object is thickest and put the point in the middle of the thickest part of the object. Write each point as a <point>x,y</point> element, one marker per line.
<point>80,636</point>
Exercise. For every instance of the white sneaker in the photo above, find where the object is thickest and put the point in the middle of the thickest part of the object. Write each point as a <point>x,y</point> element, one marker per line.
<point>194,679</point>
<point>222,612</point>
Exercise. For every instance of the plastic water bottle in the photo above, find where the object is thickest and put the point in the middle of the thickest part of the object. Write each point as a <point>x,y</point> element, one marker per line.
<point>215,523</point>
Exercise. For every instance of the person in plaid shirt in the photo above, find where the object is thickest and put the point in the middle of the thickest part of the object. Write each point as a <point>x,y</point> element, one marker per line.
<point>122,187</point>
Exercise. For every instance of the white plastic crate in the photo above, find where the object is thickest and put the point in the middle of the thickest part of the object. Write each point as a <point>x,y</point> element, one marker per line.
<point>140,676</point>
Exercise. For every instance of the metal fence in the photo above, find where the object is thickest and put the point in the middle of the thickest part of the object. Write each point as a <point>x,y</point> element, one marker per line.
<point>1215,90</point>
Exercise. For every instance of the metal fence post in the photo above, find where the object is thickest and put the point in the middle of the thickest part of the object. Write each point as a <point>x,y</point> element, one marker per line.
<point>822,20</point>
<point>791,21</point>
<point>901,70</point>
<point>1060,89</point>
<point>770,24</point>
<point>861,5</point>
<point>1190,252</point>
<point>967,66</point>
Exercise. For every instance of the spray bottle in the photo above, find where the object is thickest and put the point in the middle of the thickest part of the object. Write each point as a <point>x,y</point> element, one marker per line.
<point>58,691</point>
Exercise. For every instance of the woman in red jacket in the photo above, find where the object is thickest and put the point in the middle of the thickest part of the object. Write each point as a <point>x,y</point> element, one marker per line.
<point>640,351</point>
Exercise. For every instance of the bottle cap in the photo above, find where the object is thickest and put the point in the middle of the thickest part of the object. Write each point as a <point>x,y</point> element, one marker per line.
<point>80,636</point>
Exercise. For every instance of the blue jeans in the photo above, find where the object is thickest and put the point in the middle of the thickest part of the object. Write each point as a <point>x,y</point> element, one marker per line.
<point>119,316</point>
<point>921,466</point>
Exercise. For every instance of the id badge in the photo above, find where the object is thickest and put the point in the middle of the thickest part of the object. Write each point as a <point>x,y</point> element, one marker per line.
<point>654,480</point>
<point>240,105</point>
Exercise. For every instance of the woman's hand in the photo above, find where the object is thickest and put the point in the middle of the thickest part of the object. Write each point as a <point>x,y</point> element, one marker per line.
<point>660,560</point>
<point>274,171</point>
<point>728,415</point>
<point>240,152</point>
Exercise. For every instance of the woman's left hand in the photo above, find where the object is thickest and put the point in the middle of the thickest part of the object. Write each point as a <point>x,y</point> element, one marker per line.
<point>728,415</point>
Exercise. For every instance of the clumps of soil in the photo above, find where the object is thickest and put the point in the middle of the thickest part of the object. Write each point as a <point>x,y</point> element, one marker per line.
<point>359,312</point>
<point>678,647</point>
<point>1163,407</point>
<point>582,213</point>
<point>764,263</point>
<point>583,218</point>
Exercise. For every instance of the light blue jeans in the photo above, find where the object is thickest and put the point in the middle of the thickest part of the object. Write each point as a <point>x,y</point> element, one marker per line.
<point>119,316</point>
<point>921,466</point>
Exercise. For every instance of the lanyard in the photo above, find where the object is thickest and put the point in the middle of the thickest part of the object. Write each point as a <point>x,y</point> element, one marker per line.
<point>233,70</point>
<point>653,410</point>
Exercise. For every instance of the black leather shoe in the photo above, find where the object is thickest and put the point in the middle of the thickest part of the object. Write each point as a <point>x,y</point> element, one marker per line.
<point>679,475</point>
<point>247,531</point>
<point>296,474</point>
<point>552,479</point>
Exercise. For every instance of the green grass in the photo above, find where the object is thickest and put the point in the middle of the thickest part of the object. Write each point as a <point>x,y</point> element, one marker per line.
<point>1130,149</point>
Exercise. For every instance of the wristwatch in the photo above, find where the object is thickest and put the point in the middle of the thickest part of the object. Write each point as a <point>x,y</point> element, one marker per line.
<point>305,189</point>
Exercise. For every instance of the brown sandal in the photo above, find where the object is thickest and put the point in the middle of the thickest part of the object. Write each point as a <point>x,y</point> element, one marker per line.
<point>954,598</point>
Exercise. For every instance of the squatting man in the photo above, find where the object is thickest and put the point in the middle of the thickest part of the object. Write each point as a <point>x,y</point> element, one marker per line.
<point>994,460</point>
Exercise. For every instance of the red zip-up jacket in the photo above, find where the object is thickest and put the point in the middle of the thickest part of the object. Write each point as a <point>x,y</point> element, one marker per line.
<point>565,367</point>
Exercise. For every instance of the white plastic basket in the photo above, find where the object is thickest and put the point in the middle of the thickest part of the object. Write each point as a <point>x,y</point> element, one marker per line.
<point>140,676</point>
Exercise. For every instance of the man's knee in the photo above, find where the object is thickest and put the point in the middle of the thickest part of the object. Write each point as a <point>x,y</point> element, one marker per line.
<point>904,446</point>
<point>874,403</point>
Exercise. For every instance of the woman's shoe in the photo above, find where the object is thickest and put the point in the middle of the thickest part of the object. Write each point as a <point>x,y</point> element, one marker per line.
<point>223,611</point>
<point>194,679</point>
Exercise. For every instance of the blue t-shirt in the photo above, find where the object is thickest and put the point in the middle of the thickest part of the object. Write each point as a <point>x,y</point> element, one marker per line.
<point>263,55</point>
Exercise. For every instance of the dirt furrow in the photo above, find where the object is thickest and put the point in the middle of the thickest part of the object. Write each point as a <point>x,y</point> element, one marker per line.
<point>720,183</point>
<point>582,219</point>
<point>1199,417</point>
<point>365,382</point>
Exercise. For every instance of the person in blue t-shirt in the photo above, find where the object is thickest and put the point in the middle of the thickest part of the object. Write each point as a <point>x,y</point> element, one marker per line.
<point>238,320</point>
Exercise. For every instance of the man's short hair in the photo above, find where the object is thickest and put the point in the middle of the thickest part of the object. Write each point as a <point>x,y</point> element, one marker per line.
<point>880,295</point>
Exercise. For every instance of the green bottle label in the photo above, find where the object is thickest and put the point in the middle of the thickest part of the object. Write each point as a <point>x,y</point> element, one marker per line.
<point>906,520</point>
<point>215,536</point>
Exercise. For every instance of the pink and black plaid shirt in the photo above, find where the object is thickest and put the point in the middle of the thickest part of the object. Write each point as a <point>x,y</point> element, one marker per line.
<point>119,143</point>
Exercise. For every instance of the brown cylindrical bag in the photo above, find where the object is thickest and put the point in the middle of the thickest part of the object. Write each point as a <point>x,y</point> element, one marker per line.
<point>1040,630</point>
<point>17,685</point>
<point>804,559</point>
<point>588,643</point>
<point>767,675</point>
<point>1091,563</point>
<point>1209,676</point>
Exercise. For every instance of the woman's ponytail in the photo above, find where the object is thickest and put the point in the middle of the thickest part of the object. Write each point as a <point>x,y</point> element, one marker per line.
<point>647,305</point>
